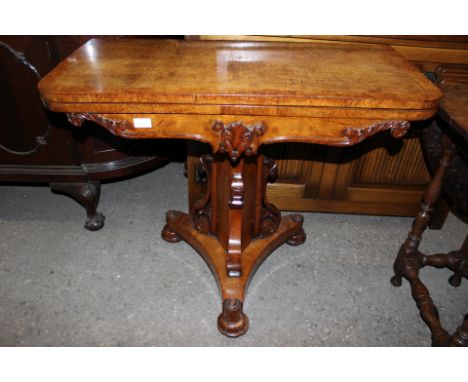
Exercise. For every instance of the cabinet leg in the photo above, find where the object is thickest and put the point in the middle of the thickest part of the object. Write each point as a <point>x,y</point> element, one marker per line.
<point>87,194</point>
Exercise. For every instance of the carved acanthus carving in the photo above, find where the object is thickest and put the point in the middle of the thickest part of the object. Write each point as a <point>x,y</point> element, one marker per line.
<point>237,138</point>
<point>115,126</point>
<point>397,128</point>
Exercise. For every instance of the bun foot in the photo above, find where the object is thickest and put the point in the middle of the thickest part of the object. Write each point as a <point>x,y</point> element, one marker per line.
<point>297,239</point>
<point>232,322</point>
<point>169,235</point>
<point>95,222</point>
<point>455,280</point>
<point>396,281</point>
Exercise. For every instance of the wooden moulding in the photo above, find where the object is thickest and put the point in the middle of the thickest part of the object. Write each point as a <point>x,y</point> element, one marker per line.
<point>216,132</point>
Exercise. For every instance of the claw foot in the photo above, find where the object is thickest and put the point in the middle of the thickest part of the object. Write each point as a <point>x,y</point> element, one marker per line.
<point>95,222</point>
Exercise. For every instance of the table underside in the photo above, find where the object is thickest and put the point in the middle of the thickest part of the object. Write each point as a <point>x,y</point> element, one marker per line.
<point>233,226</point>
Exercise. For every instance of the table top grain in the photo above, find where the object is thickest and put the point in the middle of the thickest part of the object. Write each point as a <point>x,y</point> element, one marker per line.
<point>252,74</point>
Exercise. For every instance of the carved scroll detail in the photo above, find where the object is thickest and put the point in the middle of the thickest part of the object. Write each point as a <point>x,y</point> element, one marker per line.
<point>237,138</point>
<point>397,128</point>
<point>271,216</point>
<point>201,216</point>
<point>115,126</point>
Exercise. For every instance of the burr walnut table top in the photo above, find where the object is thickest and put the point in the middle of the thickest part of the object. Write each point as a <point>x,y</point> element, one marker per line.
<point>173,75</point>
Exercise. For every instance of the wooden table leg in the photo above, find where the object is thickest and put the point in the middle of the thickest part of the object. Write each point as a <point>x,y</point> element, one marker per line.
<point>410,260</point>
<point>234,228</point>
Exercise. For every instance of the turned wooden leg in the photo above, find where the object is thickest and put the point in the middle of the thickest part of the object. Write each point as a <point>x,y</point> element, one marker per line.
<point>409,260</point>
<point>87,194</point>
<point>423,218</point>
<point>234,228</point>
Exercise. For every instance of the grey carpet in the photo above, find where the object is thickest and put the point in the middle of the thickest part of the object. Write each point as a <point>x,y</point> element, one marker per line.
<point>61,285</point>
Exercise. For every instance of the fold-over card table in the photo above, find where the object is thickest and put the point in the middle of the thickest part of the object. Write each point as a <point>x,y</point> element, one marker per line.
<point>238,96</point>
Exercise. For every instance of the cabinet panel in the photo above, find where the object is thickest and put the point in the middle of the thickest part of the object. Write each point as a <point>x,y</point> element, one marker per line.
<point>384,173</point>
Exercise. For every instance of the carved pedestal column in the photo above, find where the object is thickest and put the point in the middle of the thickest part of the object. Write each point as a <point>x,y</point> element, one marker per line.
<point>233,226</point>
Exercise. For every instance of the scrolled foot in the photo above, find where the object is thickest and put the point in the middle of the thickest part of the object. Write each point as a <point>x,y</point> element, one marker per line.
<point>232,322</point>
<point>95,222</point>
<point>170,236</point>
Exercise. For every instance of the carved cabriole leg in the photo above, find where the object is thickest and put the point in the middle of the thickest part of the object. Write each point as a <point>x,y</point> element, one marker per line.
<point>243,229</point>
<point>409,260</point>
<point>87,194</point>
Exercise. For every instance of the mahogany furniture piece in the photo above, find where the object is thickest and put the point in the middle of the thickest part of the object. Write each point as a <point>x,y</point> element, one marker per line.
<point>446,141</point>
<point>237,97</point>
<point>42,147</point>
<point>382,176</point>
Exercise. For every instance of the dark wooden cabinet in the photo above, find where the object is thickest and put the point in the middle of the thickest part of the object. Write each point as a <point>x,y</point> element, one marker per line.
<point>40,146</point>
